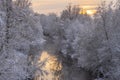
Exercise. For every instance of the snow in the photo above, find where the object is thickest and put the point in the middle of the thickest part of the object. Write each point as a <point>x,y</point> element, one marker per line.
<point>93,45</point>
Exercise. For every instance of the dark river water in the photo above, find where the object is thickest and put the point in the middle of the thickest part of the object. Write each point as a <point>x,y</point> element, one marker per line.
<point>55,69</point>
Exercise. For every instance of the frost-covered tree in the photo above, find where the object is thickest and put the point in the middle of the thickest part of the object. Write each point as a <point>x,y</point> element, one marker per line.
<point>22,3</point>
<point>95,45</point>
<point>107,22</point>
<point>19,30</point>
<point>71,12</point>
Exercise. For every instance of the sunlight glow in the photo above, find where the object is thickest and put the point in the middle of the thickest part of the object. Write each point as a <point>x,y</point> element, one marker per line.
<point>90,12</point>
<point>51,63</point>
<point>56,6</point>
<point>51,66</point>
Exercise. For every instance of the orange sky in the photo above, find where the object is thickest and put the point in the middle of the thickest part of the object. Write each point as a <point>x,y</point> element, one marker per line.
<point>56,6</point>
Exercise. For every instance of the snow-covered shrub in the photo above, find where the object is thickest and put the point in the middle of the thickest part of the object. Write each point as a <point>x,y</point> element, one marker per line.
<point>14,67</point>
<point>23,31</point>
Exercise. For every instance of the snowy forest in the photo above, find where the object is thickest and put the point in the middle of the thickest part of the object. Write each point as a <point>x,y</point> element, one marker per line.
<point>71,46</point>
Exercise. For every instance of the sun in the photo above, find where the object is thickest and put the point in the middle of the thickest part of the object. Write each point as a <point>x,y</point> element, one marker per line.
<point>88,12</point>
<point>91,12</point>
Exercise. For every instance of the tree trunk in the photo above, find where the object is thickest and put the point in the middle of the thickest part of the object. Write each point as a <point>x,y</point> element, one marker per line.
<point>8,22</point>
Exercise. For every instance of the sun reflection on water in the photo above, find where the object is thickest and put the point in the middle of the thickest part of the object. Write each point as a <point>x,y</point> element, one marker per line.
<point>52,66</point>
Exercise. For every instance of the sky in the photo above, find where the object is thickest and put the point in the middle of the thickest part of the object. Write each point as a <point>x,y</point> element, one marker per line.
<point>56,6</point>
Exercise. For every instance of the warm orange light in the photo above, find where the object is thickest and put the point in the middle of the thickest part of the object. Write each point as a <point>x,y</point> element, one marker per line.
<point>90,12</point>
<point>51,63</point>
<point>83,11</point>
<point>51,66</point>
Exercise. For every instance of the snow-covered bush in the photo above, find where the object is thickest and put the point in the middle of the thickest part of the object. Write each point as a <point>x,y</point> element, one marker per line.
<point>14,67</point>
<point>19,30</point>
